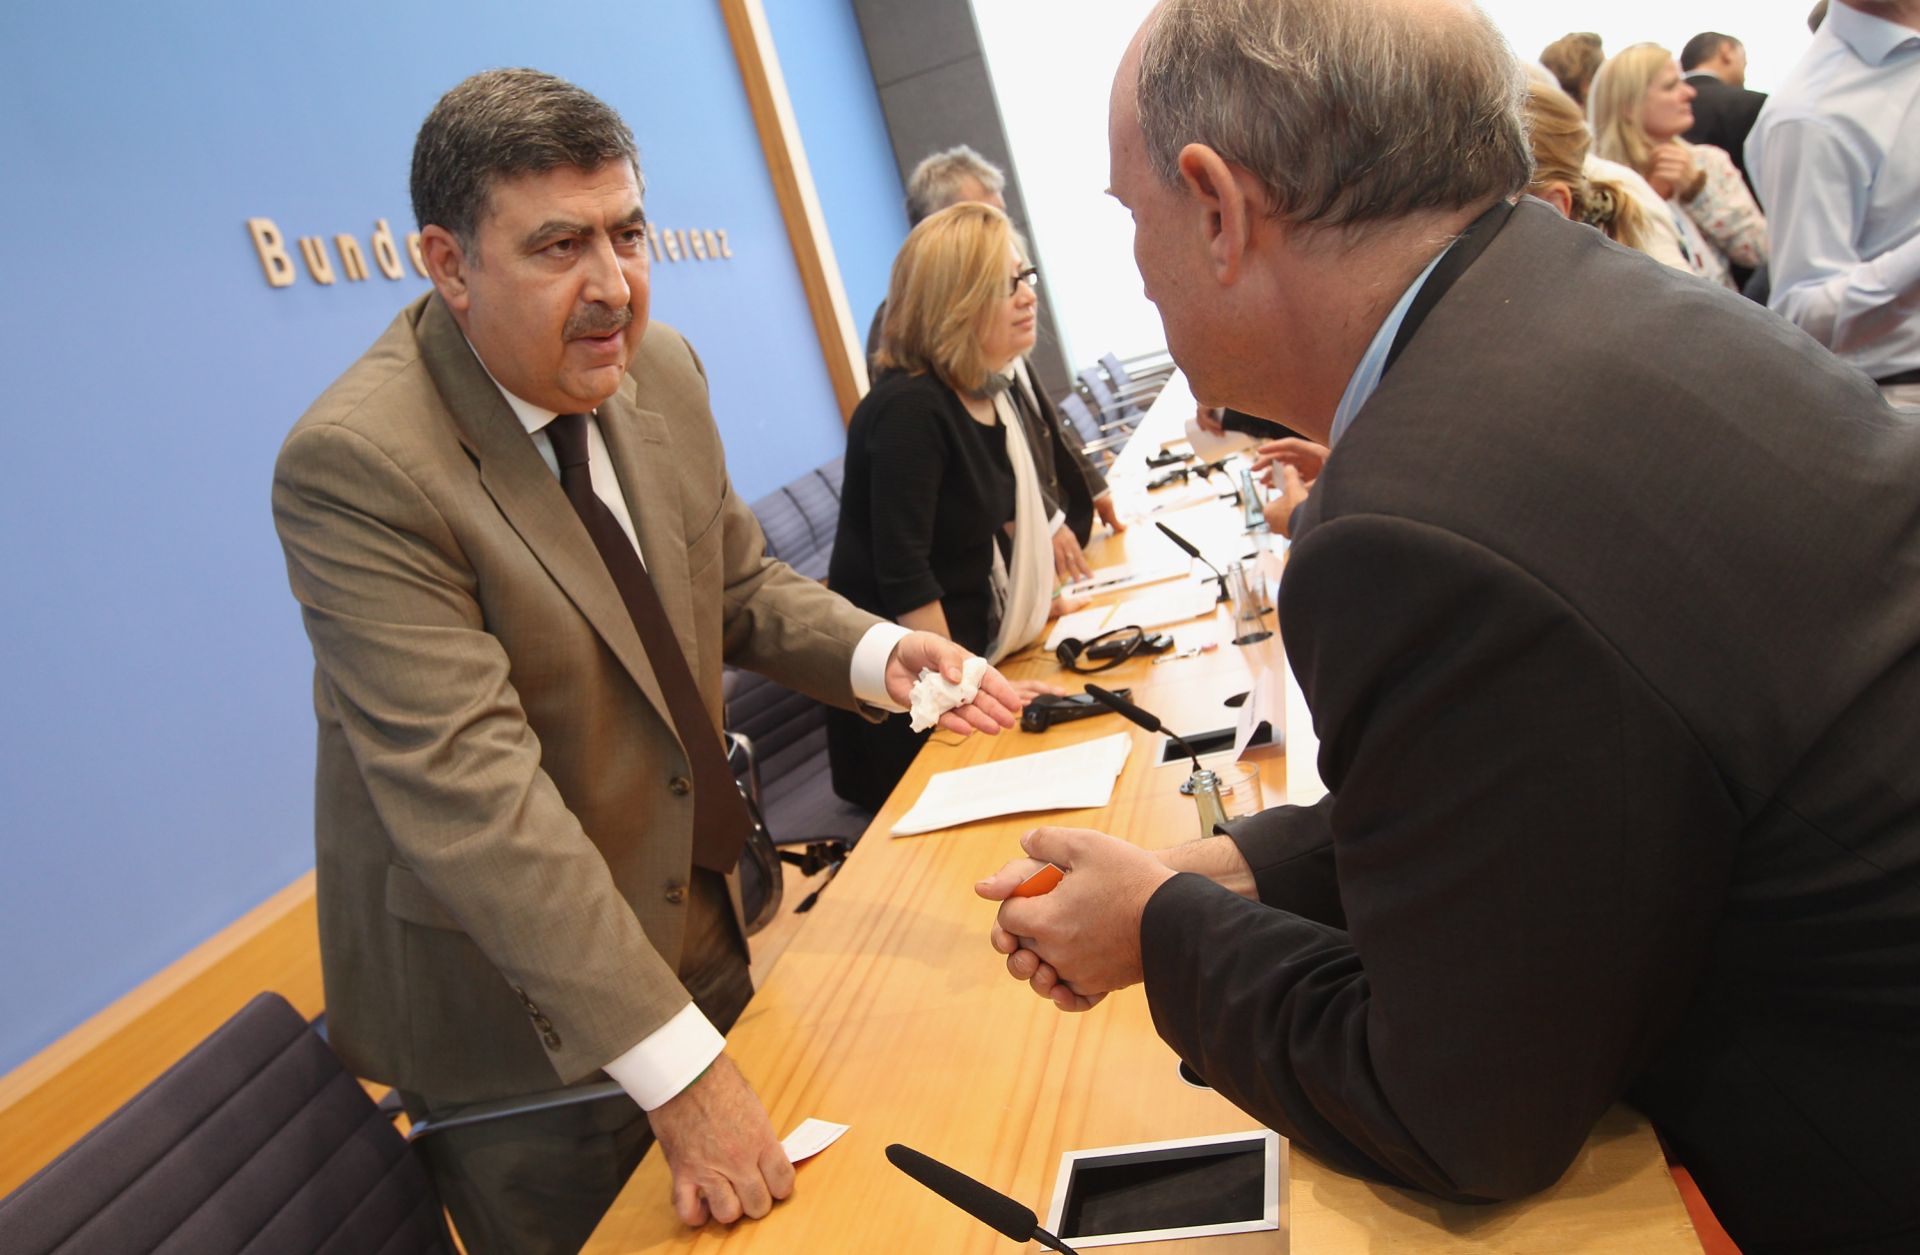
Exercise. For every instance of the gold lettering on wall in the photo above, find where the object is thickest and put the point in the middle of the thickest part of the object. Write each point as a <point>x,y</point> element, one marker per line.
<point>267,242</point>
<point>385,255</point>
<point>319,264</point>
<point>352,260</point>
<point>666,244</point>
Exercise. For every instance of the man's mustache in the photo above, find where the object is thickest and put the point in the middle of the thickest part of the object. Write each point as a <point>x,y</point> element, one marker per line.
<point>597,320</point>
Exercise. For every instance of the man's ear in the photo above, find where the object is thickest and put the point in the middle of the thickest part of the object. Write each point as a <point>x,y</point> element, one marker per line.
<point>1229,199</point>
<point>447,265</point>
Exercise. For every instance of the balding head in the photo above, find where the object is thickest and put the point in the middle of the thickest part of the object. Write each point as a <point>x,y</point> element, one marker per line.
<point>1349,112</point>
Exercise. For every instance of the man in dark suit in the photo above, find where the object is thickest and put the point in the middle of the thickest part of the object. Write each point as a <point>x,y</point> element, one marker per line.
<point>1611,644</point>
<point>521,569</point>
<point>1723,108</point>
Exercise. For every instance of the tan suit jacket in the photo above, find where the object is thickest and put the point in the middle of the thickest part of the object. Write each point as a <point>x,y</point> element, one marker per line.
<point>503,824</point>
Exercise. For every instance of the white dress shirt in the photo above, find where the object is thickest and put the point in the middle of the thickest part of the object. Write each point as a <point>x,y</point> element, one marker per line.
<point>674,1055</point>
<point>1836,157</point>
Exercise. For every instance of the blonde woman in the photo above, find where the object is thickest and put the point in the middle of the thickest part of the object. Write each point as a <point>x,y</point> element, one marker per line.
<point>1640,106</point>
<point>1585,188</point>
<point>942,524</point>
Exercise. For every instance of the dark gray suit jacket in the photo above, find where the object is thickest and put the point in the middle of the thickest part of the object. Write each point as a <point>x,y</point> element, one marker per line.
<point>1607,609</point>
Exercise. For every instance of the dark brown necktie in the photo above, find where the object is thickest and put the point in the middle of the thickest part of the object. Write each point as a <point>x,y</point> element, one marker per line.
<point>720,820</point>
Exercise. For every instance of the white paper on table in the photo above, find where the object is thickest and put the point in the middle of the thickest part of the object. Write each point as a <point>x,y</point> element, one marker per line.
<point>1208,447</point>
<point>1113,579</point>
<point>810,1138</point>
<point>1265,707</point>
<point>1175,603</point>
<point>1074,778</point>
<point>1081,625</point>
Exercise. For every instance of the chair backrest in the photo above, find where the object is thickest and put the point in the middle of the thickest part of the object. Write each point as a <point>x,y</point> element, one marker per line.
<point>1116,370</point>
<point>257,1141</point>
<point>800,519</point>
<point>1104,401</point>
<point>1077,412</point>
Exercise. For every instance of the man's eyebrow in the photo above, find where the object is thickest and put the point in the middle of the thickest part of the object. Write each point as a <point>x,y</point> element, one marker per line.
<point>638,218</point>
<point>552,228</point>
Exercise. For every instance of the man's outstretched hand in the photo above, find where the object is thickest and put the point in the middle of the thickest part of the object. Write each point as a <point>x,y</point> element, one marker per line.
<point>996,706</point>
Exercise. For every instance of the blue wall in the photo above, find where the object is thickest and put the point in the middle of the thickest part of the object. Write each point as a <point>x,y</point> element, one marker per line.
<point>156,749</point>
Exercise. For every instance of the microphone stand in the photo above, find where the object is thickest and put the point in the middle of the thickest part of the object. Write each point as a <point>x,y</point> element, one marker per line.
<point>1203,785</point>
<point>1193,552</point>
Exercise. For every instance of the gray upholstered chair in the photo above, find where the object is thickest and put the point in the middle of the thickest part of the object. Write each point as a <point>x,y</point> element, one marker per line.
<point>257,1141</point>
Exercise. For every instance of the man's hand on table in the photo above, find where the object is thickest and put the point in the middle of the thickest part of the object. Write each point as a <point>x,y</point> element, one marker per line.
<point>725,1159</point>
<point>1079,942</point>
<point>1069,560</point>
<point>996,706</point>
<point>1108,512</point>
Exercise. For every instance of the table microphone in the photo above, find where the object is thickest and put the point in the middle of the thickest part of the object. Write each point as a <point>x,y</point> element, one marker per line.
<point>1125,708</point>
<point>1192,552</point>
<point>988,1206</point>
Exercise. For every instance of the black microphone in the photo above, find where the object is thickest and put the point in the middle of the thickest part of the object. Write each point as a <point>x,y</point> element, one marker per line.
<point>989,1206</point>
<point>1125,708</point>
<point>1192,552</point>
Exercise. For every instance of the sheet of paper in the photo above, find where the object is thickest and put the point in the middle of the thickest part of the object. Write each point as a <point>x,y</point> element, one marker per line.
<point>1172,603</point>
<point>1265,707</point>
<point>1081,625</point>
<point>810,1138</point>
<point>1113,579</point>
<point>1073,778</point>
<point>1304,786</point>
<point>1211,448</point>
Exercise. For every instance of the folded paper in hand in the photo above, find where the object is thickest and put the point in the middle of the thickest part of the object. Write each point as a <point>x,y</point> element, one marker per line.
<point>1073,778</point>
<point>933,695</point>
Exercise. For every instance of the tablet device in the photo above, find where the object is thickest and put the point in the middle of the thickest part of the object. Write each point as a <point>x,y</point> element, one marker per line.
<point>1188,1188</point>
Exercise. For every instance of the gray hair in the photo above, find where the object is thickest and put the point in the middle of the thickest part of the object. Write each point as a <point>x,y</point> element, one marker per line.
<point>938,181</point>
<point>1347,113</point>
<point>502,123</point>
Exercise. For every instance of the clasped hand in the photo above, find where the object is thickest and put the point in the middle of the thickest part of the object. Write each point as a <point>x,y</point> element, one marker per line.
<point>1081,941</point>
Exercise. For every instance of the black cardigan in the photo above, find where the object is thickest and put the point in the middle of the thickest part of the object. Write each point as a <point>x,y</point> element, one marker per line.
<point>928,491</point>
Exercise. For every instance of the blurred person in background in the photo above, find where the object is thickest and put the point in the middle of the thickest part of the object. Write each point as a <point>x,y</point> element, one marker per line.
<point>1574,60</point>
<point>1723,108</point>
<point>1639,107</point>
<point>1836,155</point>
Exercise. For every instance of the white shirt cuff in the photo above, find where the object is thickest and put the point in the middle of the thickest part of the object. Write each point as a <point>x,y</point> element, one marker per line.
<point>869,672</point>
<point>1058,521</point>
<point>669,1059</point>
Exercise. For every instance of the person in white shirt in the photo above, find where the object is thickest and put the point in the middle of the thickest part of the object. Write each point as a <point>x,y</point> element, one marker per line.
<point>1836,156</point>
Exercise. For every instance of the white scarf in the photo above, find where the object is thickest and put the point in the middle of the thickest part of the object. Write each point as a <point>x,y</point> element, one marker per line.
<point>1025,586</point>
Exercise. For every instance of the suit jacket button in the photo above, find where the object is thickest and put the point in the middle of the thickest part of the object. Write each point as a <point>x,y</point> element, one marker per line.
<point>542,1023</point>
<point>676,893</point>
<point>553,1040</point>
<point>680,786</point>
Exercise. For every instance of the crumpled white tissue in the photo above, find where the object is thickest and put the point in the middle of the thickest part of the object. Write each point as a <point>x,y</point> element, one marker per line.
<point>932,695</point>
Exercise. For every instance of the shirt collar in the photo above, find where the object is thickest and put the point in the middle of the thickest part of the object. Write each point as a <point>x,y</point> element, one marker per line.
<point>1873,39</point>
<point>1373,363</point>
<point>531,416</point>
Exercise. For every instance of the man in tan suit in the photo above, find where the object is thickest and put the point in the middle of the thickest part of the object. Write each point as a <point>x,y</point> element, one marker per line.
<point>524,849</point>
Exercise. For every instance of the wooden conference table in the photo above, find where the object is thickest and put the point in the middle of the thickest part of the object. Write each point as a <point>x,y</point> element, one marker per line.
<point>890,1013</point>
